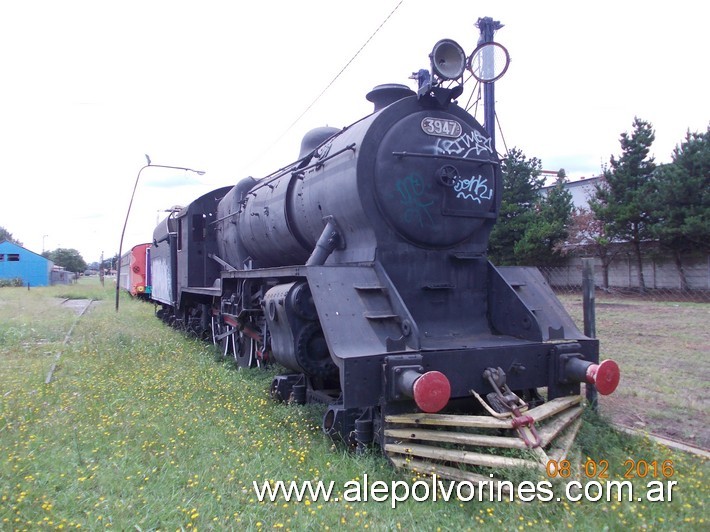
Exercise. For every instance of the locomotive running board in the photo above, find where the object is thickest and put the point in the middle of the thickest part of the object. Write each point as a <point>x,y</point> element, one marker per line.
<point>408,439</point>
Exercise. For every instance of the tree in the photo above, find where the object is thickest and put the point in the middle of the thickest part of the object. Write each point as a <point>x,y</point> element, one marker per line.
<point>110,264</point>
<point>683,200</point>
<point>70,259</point>
<point>7,235</point>
<point>547,228</point>
<point>521,186</point>
<point>622,200</point>
<point>586,234</point>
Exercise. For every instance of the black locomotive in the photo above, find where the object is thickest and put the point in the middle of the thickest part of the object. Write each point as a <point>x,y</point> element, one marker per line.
<point>361,268</point>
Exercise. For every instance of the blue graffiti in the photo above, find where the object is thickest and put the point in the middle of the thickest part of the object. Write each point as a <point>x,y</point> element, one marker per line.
<point>411,190</point>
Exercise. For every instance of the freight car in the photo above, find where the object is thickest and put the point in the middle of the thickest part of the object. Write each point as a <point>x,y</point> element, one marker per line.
<point>135,271</point>
<point>361,268</point>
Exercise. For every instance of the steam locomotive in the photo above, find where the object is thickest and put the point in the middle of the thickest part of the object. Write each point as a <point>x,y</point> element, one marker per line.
<point>361,269</point>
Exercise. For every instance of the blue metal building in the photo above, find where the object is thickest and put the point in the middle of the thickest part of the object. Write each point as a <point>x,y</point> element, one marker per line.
<point>18,262</point>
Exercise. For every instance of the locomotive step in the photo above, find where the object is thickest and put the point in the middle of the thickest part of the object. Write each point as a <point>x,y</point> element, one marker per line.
<point>379,315</point>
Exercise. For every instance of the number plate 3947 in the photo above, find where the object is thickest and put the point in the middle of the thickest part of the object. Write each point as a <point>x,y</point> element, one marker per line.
<point>441,127</point>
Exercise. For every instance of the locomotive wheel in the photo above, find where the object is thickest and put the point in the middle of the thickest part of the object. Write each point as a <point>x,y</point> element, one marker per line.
<point>226,344</point>
<point>245,354</point>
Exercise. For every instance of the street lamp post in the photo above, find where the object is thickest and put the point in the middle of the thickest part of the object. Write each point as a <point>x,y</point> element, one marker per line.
<point>128,212</point>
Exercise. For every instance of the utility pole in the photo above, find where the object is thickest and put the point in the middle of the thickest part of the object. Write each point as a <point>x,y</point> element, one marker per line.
<point>488,27</point>
<point>101,269</point>
<point>590,320</point>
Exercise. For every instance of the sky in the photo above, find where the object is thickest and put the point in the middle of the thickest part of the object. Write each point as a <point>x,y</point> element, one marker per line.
<point>87,88</point>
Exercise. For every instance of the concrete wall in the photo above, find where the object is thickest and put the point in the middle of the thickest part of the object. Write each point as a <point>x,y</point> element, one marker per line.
<point>623,273</point>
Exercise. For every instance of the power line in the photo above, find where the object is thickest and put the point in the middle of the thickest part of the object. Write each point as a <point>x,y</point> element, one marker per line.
<point>345,67</point>
<point>276,141</point>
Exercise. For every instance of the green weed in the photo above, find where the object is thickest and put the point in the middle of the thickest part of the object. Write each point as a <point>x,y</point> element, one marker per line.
<point>141,429</point>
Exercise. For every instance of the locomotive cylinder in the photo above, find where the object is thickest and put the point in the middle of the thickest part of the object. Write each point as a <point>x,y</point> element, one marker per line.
<point>297,340</point>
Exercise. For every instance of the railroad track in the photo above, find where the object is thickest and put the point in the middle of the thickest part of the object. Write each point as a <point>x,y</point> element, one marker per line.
<point>673,444</point>
<point>80,312</point>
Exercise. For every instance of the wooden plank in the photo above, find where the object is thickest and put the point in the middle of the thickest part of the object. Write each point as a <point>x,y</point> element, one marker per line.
<point>565,442</point>
<point>451,473</point>
<point>481,422</point>
<point>553,407</point>
<point>460,457</point>
<point>555,427</point>
<point>541,456</point>
<point>456,437</point>
<point>486,422</point>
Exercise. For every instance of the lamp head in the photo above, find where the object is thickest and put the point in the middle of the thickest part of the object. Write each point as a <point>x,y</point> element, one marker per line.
<point>448,60</point>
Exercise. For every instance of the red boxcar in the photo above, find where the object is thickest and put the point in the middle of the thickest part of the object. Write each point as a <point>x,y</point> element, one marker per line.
<point>135,271</point>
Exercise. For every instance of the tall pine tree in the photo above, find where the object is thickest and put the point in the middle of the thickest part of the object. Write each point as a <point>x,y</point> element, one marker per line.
<point>683,201</point>
<point>521,186</point>
<point>548,228</point>
<point>622,200</point>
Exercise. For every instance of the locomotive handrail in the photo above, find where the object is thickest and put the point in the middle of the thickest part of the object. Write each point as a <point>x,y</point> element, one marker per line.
<point>259,273</point>
<point>242,203</point>
<point>401,154</point>
<point>299,174</point>
<point>298,171</point>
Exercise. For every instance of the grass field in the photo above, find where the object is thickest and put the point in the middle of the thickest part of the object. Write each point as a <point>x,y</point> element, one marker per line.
<point>142,429</point>
<point>663,349</point>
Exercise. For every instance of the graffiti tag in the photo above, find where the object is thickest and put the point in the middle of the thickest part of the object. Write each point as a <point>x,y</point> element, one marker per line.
<point>465,145</point>
<point>411,190</point>
<point>474,189</point>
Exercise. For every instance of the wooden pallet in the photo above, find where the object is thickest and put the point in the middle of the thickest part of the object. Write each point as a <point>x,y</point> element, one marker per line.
<point>441,444</point>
